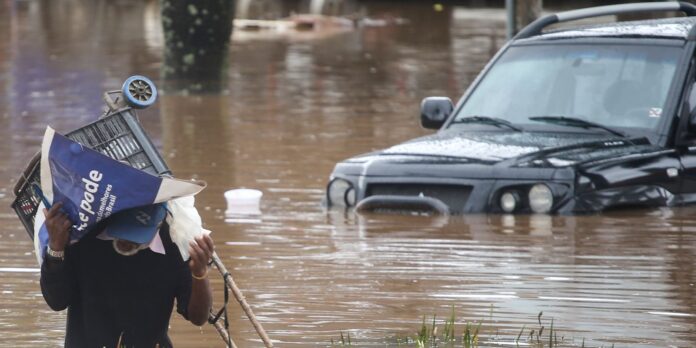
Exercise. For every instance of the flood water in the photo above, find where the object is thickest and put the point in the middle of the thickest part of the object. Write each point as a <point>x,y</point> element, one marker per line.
<point>294,105</point>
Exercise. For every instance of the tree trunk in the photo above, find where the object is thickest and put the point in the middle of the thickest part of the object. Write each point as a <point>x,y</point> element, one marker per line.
<point>196,38</point>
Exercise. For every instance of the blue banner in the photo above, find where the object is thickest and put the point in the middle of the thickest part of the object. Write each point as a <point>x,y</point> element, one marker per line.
<point>93,186</point>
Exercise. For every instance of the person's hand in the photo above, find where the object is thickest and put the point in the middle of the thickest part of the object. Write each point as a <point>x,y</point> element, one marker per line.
<point>201,250</point>
<point>58,226</point>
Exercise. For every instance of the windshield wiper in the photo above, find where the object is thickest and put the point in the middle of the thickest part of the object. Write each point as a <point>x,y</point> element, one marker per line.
<point>494,121</point>
<point>576,122</point>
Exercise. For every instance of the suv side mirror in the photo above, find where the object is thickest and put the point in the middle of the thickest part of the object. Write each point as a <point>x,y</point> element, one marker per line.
<point>435,111</point>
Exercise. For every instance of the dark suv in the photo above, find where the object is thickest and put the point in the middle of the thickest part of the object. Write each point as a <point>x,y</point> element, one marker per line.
<point>560,121</point>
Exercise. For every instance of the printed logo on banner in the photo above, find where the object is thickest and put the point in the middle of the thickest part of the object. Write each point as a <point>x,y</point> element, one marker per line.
<point>92,186</point>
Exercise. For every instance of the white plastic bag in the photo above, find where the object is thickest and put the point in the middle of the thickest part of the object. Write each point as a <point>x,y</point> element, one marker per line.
<point>185,223</point>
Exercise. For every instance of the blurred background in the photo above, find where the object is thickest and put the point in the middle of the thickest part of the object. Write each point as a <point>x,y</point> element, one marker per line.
<point>273,104</point>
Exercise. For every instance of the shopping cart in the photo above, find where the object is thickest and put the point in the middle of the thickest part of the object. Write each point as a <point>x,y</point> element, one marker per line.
<point>117,134</point>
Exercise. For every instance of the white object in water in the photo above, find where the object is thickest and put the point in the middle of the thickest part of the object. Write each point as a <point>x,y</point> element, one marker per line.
<point>243,202</point>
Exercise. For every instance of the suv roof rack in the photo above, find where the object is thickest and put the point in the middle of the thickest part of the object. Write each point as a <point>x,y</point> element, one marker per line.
<point>535,27</point>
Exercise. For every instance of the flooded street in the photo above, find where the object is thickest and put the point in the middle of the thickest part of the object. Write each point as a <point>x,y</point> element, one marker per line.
<point>295,104</point>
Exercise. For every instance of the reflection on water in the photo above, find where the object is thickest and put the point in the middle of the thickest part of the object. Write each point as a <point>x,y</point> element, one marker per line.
<point>294,106</point>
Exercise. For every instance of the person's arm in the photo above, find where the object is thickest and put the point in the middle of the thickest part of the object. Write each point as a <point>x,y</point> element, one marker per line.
<point>56,274</point>
<point>201,300</point>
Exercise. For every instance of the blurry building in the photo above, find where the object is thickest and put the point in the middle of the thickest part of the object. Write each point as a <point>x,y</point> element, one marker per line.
<point>274,9</point>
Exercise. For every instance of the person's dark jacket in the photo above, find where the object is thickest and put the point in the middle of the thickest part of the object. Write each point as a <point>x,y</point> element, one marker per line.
<point>110,296</point>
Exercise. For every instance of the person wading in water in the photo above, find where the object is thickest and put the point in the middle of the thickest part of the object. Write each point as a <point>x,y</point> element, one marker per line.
<point>117,285</point>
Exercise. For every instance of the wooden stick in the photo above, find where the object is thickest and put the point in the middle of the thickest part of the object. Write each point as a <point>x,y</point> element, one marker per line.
<point>242,301</point>
<point>221,330</point>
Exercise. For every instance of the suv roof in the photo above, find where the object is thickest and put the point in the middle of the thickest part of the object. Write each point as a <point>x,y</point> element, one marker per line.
<point>682,28</point>
<point>677,28</point>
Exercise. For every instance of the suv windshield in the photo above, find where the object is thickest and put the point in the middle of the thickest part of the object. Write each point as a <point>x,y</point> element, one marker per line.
<point>611,85</point>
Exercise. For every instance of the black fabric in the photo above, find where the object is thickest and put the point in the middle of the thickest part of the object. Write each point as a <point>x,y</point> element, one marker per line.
<point>109,295</point>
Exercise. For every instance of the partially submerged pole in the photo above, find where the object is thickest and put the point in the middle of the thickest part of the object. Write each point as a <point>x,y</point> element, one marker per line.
<point>520,13</point>
<point>229,282</point>
<point>511,11</point>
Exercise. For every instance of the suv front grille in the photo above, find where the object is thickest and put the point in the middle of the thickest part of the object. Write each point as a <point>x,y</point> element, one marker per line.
<point>454,196</point>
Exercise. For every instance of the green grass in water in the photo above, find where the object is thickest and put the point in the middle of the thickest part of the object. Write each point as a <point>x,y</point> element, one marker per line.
<point>470,335</point>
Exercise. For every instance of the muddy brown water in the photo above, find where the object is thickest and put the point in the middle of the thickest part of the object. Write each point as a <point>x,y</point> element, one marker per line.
<point>295,105</point>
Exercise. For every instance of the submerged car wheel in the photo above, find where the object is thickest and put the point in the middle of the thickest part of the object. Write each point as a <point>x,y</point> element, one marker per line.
<point>139,92</point>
